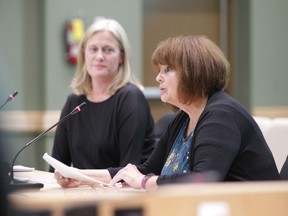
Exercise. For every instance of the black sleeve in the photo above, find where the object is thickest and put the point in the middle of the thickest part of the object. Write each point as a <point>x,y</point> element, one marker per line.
<point>135,127</point>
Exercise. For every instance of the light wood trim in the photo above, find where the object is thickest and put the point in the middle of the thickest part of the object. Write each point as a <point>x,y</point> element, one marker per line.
<point>38,121</point>
<point>271,112</point>
<point>28,121</point>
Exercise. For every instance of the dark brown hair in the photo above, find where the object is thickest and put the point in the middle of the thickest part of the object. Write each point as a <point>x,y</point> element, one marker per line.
<point>201,66</point>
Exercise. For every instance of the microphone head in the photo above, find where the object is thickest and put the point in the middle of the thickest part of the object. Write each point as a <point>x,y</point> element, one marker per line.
<point>82,105</point>
<point>15,93</point>
<point>79,108</point>
<point>12,96</point>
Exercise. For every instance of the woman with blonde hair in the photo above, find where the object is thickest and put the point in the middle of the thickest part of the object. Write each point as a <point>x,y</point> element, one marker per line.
<point>116,128</point>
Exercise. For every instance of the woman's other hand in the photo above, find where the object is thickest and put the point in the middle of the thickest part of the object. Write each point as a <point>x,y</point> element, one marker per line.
<point>66,182</point>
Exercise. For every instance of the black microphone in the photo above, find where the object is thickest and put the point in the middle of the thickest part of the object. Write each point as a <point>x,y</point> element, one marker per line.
<point>15,184</point>
<point>10,98</point>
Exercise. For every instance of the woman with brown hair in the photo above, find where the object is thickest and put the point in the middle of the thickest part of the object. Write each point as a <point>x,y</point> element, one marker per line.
<point>212,132</point>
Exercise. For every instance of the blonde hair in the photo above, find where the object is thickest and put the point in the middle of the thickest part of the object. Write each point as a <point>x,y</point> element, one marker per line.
<point>81,82</point>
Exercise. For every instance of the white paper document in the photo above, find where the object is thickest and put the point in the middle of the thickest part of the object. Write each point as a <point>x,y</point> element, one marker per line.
<point>20,168</point>
<point>70,172</point>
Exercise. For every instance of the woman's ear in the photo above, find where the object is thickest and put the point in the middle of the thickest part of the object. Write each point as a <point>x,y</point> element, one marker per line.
<point>122,57</point>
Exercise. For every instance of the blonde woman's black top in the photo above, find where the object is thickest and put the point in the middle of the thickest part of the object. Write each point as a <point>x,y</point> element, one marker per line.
<point>111,133</point>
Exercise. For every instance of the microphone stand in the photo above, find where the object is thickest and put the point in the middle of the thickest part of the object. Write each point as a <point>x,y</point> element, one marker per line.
<point>16,184</point>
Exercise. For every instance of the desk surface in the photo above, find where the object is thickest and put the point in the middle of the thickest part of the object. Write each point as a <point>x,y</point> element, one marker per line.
<point>52,192</point>
<point>56,199</point>
<point>240,198</point>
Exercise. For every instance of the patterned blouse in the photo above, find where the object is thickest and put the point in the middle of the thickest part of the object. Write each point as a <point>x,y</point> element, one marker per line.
<point>178,160</point>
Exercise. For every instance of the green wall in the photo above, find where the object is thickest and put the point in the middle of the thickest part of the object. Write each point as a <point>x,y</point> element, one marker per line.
<point>269,53</point>
<point>261,53</point>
